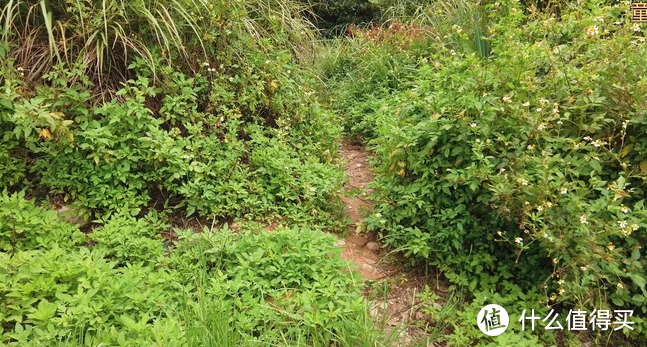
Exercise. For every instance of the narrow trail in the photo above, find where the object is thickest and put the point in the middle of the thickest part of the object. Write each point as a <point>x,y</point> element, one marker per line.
<point>359,248</point>
<point>400,308</point>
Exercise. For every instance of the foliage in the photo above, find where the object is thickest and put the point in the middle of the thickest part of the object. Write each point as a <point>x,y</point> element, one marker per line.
<point>290,285</point>
<point>192,142</point>
<point>277,279</point>
<point>25,226</point>
<point>106,37</point>
<point>129,240</point>
<point>523,167</point>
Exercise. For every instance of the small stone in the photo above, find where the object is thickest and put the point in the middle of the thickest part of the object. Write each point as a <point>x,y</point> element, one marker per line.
<point>373,246</point>
<point>340,243</point>
<point>367,267</point>
<point>357,240</point>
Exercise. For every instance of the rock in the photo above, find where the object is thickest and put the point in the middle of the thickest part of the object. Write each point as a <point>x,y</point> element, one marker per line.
<point>357,240</point>
<point>377,309</point>
<point>78,216</point>
<point>340,243</point>
<point>367,267</point>
<point>373,246</point>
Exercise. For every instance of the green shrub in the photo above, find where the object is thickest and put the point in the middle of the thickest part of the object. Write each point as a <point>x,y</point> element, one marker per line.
<point>525,167</point>
<point>129,240</point>
<point>25,226</point>
<point>62,295</point>
<point>284,281</point>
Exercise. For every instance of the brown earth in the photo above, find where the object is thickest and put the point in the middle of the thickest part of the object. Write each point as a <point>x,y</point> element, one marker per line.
<point>400,308</point>
<point>355,250</point>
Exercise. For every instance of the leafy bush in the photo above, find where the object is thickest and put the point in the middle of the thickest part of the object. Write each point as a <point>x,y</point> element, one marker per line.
<point>290,283</point>
<point>280,281</point>
<point>129,240</point>
<point>61,295</point>
<point>524,168</point>
<point>25,226</point>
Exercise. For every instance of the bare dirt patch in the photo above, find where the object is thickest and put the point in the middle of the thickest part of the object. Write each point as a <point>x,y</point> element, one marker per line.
<point>361,249</point>
<point>400,306</point>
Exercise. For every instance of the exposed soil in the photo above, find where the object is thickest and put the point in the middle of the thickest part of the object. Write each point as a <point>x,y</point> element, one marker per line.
<point>400,308</point>
<point>357,246</point>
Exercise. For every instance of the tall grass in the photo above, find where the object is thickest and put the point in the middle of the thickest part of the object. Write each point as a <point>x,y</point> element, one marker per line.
<point>106,36</point>
<point>101,35</point>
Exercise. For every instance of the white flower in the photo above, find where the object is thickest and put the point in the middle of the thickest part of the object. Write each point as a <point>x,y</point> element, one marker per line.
<point>611,246</point>
<point>473,125</point>
<point>593,30</point>
<point>526,104</point>
<point>543,101</point>
<point>507,99</point>
<point>563,191</point>
<point>599,19</point>
<point>524,182</point>
<point>560,282</point>
<point>538,109</point>
<point>452,52</point>
<point>501,170</point>
<point>541,126</point>
<point>624,209</point>
<point>636,27</point>
<point>518,240</point>
<point>584,268</point>
<point>549,204</point>
<point>622,224</point>
<point>634,226</point>
<point>556,50</point>
<point>378,215</point>
<point>583,219</point>
<point>620,285</point>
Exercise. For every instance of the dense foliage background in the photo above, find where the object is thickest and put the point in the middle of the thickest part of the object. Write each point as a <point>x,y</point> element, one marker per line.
<point>509,142</point>
<point>510,149</point>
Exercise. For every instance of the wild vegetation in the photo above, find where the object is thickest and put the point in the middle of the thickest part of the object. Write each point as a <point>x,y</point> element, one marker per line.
<point>509,150</point>
<point>145,147</point>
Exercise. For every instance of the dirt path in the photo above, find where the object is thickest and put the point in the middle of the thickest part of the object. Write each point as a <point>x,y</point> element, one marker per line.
<point>359,248</point>
<point>400,308</point>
